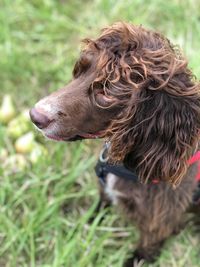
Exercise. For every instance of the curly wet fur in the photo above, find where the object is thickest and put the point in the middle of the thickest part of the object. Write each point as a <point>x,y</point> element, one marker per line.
<point>134,87</point>
<point>150,79</point>
<point>157,210</point>
<point>155,133</point>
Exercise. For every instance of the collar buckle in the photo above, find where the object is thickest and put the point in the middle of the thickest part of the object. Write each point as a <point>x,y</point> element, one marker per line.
<point>103,157</point>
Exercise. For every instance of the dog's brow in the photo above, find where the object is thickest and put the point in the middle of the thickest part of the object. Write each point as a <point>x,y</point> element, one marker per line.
<point>81,66</point>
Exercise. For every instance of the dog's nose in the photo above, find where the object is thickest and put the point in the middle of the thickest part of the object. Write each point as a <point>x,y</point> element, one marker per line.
<point>39,119</point>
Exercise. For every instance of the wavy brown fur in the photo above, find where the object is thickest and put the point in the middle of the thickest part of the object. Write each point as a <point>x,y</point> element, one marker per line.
<point>132,84</point>
<point>158,128</point>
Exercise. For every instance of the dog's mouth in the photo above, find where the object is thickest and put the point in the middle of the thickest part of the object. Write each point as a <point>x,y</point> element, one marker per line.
<point>76,137</point>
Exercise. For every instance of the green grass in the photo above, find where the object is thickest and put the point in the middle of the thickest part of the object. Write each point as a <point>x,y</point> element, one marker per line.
<point>44,210</point>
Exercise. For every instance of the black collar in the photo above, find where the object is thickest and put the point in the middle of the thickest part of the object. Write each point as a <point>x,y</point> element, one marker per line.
<point>103,167</point>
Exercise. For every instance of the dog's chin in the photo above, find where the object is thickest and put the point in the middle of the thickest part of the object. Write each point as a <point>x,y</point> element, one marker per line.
<point>73,138</point>
<point>64,138</point>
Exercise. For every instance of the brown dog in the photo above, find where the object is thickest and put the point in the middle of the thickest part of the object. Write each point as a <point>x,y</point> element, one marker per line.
<point>133,87</point>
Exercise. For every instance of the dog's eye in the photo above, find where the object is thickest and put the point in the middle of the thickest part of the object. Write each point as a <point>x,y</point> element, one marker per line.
<point>101,96</point>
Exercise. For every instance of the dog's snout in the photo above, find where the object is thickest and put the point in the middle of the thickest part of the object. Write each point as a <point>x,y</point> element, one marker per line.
<point>39,119</point>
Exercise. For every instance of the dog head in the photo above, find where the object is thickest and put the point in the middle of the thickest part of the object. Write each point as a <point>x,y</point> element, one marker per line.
<point>133,87</point>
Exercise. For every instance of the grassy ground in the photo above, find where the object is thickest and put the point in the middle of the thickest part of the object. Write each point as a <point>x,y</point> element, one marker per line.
<point>44,210</point>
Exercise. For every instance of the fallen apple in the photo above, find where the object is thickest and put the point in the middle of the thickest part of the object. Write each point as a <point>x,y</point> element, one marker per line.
<point>7,109</point>
<point>16,163</point>
<point>25,115</point>
<point>38,153</point>
<point>18,126</point>
<point>3,154</point>
<point>25,143</point>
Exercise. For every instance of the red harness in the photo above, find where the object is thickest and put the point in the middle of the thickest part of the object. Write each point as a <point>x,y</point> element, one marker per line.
<point>192,160</point>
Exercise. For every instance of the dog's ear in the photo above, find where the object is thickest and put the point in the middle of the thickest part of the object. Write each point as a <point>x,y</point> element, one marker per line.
<point>158,135</point>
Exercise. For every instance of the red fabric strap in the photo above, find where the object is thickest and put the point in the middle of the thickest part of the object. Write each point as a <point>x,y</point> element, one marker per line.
<point>192,160</point>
